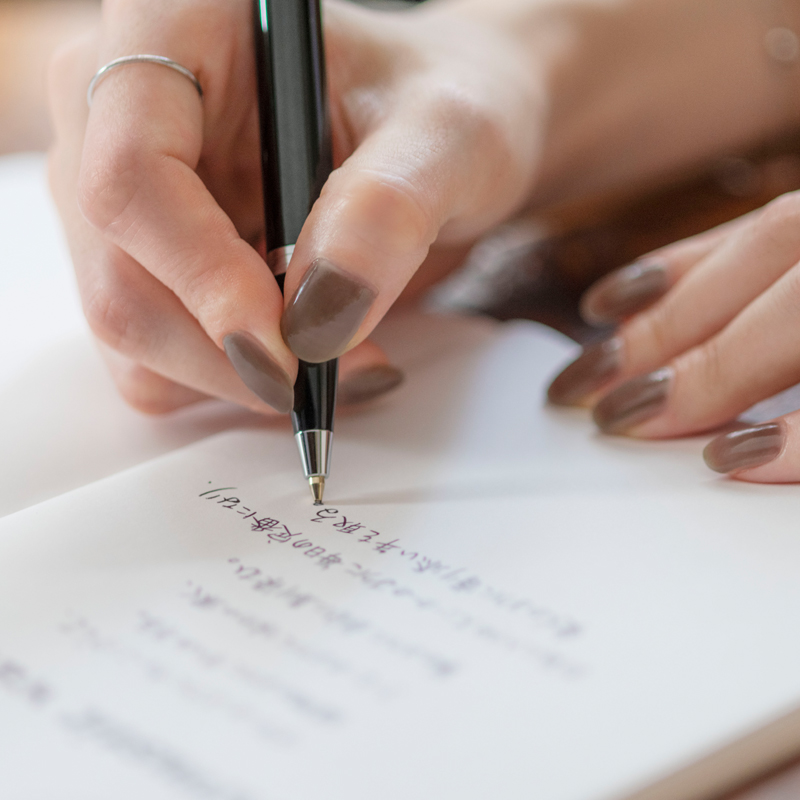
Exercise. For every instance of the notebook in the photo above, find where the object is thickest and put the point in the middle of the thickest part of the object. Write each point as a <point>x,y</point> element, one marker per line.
<point>494,602</point>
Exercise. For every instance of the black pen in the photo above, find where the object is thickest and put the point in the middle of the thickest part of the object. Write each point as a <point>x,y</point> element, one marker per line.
<point>296,159</point>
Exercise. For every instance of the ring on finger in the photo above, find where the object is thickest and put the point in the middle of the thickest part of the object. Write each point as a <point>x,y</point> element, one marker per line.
<point>140,59</point>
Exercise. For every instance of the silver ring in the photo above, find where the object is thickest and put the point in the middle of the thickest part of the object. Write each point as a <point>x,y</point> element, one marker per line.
<point>143,58</point>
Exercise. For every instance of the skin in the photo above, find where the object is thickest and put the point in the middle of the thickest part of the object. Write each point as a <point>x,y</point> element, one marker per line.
<point>447,120</point>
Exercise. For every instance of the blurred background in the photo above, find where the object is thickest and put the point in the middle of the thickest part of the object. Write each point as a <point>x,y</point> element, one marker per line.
<point>30,31</point>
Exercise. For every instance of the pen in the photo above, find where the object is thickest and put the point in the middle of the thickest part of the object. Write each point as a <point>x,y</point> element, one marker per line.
<point>296,159</point>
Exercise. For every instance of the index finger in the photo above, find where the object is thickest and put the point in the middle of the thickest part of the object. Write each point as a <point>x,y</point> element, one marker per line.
<point>139,186</point>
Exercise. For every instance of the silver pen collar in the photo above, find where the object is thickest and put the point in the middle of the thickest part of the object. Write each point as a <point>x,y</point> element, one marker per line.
<point>315,451</point>
<point>279,258</point>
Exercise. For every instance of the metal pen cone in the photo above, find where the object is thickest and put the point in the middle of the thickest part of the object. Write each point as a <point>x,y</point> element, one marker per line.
<point>317,484</point>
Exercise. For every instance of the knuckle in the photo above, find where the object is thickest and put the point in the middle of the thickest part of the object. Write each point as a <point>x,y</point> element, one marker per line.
<point>115,316</point>
<point>651,337</point>
<point>143,390</point>
<point>462,111</point>
<point>411,219</point>
<point>108,183</point>
<point>473,118</point>
<point>702,382</point>
<point>206,288</point>
<point>706,364</point>
<point>474,128</point>
<point>782,212</point>
<point>108,319</point>
<point>385,212</point>
<point>206,291</point>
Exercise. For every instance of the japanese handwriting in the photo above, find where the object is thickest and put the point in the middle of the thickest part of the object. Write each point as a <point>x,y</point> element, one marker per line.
<point>16,679</point>
<point>457,579</point>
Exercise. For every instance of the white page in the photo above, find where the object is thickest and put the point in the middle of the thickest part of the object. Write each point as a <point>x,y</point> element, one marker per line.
<point>556,615</point>
<point>38,300</point>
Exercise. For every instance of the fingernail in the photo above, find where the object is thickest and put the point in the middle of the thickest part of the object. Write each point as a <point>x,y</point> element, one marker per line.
<point>595,367</point>
<point>325,312</point>
<point>746,448</point>
<point>369,383</point>
<point>260,374</point>
<point>633,402</point>
<point>624,292</point>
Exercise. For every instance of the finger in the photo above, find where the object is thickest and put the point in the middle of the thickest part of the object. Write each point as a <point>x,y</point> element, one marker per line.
<point>139,187</point>
<point>365,374</point>
<point>366,237</point>
<point>742,267</point>
<point>751,359</point>
<point>145,390</point>
<point>765,453</point>
<point>700,305</point>
<point>441,163</point>
<point>126,307</point>
<point>135,315</point>
<point>633,288</point>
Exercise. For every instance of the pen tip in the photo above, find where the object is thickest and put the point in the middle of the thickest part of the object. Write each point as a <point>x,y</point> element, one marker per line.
<point>317,483</point>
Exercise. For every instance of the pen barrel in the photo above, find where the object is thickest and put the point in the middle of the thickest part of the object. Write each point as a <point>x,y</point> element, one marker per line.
<point>315,396</point>
<point>296,159</point>
<point>314,392</point>
<point>296,152</point>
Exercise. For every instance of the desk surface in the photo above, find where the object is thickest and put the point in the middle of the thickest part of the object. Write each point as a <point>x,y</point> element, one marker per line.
<point>42,335</point>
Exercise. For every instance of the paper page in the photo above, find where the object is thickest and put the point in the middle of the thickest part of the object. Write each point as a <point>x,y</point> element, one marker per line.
<point>38,300</point>
<point>493,603</point>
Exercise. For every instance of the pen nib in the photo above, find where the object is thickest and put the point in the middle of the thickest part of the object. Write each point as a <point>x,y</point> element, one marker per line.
<point>317,483</point>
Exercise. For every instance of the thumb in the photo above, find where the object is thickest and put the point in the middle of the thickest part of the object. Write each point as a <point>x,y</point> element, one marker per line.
<point>440,164</point>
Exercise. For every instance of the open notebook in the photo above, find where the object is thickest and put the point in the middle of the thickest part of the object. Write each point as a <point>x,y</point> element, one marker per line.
<point>494,603</point>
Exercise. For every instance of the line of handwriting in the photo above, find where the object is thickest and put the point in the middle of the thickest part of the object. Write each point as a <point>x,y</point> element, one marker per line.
<point>458,579</point>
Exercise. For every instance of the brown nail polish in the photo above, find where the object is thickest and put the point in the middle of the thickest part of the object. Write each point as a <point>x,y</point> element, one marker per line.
<point>369,383</point>
<point>742,449</point>
<point>260,374</point>
<point>325,312</point>
<point>633,402</point>
<point>595,367</point>
<point>624,292</point>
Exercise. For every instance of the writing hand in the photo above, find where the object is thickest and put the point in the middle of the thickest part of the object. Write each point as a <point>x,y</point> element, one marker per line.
<point>160,192</point>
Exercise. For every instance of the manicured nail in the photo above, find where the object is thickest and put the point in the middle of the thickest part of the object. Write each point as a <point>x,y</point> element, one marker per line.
<point>369,383</point>
<point>260,374</point>
<point>751,447</point>
<point>595,367</point>
<point>633,402</point>
<point>325,312</point>
<point>624,292</point>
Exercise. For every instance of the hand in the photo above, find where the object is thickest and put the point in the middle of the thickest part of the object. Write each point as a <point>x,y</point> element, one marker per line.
<point>709,327</point>
<point>435,137</point>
